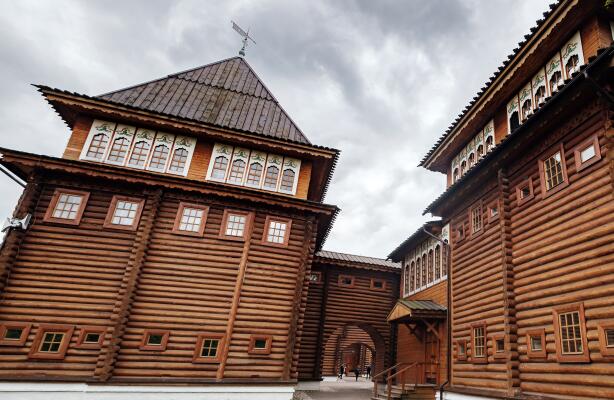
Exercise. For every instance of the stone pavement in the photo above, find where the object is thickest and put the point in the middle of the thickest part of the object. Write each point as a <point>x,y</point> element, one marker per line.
<point>347,389</point>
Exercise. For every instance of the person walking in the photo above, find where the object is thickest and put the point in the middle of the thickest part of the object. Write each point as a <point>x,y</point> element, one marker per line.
<point>341,371</point>
<point>368,371</point>
<point>357,373</point>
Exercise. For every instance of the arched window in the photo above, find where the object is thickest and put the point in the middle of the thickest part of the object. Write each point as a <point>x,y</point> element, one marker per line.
<point>480,151</point>
<point>489,143</point>
<point>98,145</point>
<point>159,157</point>
<point>555,80</point>
<point>270,179</point>
<point>572,65</point>
<point>418,279</point>
<point>180,157</point>
<point>236,171</point>
<point>437,262</point>
<point>406,280</point>
<point>219,167</point>
<point>423,270</point>
<point>471,160</point>
<point>139,154</point>
<point>430,266</point>
<point>455,175</point>
<point>514,121</point>
<point>526,109</point>
<point>118,150</point>
<point>254,174</point>
<point>287,180</point>
<point>412,272</point>
<point>540,95</point>
<point>463,167</point>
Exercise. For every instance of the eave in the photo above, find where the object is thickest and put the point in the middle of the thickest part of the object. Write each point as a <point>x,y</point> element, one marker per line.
<point>414,239</point>
<point>326,261</point>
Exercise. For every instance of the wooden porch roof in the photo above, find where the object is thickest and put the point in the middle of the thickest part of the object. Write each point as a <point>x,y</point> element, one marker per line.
<point>411,310</point>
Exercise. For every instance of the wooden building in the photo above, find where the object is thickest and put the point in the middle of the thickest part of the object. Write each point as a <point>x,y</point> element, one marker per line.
<point>530,210</point>
<point>172,243</point>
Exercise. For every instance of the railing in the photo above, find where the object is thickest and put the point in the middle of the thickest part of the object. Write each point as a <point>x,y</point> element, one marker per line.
<point>402,373</point>
<point>375,377</point>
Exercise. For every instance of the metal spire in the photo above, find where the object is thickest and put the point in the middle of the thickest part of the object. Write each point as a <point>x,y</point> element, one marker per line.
<point>245,36</point>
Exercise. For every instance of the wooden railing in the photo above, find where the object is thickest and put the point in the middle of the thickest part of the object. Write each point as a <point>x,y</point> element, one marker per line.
<point>401,375</point>
<point>375,378</point>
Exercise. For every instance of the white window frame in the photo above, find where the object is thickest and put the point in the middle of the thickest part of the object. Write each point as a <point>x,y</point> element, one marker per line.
<point>96,128</point>
<point>566,55</point>
<point>223,150</point>
<point>181,142</point>
<point>162,138</point>
<point>142,135</point>
<point>239,153</point>
<point>271,161</point>
<point>294,165</point>
<point>121,132</point>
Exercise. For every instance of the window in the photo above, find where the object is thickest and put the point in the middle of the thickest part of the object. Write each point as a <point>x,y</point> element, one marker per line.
<point>91,337</point>
<point>489,143</point>
<point>139,154</point>
<point>236,171</point>
<point>455,175</point>
<point>254,174</point>
<point>219,168</point>
<point>553,172</point>
<point>463,167</point>
<point>493,211</point>
<point>514,121</point>
<point>572,65</point>
<point>527,109</point>
<point>190,219</point>
<point>98,145</point>
<point>119,150</point>
<point>536,343</point>
<point>431,272</point>
<point>14,333</point>
<point>154,340</point>
<point>346,281</point>
<point>556,80</point>
<point>471,160</point>
<point>475,217</point>
<point>287,181</point>
<point>499,346</point>
<point>235,224</point>
<point>270,180</point>
<point>460,232</point>
<point>315,277</point>
<point>606,338</point>
<point>524,191</point>
<point>180,157</point>
<point>423,273</point>
<point>378,284</point>
<point>66,206</point>
<point>159,157</point>
<point>438,262</point>
<point>124,213</point>
<point>587,153</point>
<point>277,231</point>
<point>540,95</point>
<point>480,151</point>
<point>461,350</point>
<point>570,334</point>
<point>51,342</point>
<point>478,342</point>
<point>260,344</point>
<point>412,272</point>
<point>418,270</point>
<point>406,279</point>
<point>209,348</point>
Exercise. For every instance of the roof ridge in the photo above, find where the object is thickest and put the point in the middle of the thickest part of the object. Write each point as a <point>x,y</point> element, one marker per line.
<point>350,254</point>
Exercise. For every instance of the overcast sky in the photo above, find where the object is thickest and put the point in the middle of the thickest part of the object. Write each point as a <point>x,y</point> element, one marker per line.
<point>379,80</point>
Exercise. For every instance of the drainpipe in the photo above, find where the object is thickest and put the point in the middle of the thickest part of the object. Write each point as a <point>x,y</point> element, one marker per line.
<point>446,246</point>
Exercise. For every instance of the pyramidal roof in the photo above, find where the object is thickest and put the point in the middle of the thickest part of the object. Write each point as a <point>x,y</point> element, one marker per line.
<point>226,93</point>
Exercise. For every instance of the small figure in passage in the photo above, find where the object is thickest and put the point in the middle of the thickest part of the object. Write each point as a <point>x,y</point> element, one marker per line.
<point>341,371</point>
<point>368,371</point>
<point>357,373</point>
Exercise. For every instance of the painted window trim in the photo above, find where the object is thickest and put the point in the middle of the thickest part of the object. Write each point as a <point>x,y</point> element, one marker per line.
<point>384,285</point>
<point>54,200</point>
<point>594,140</point>
<point>115,137</point>
<point>343,276</point>
<point>248,222</point>
<point>481,359</point>
<point>90,136</point>
<point>499,354</point>
<point>542,178</point>
<point>571,358</point>
<point>459,356</point>
<point>522,201</point>
<point>200,338</point>
<point>178,217</point>
<point>252,343</point>
<point>85,330</point>
<point>151,347</point>
<point>24,326</point>
<point>477,204</point>
<point>109,218</point>
<point>265,233</point>
<point>605,351</point>
<point>46,328</point>
<point>490,217</point>
<point>541,333</point>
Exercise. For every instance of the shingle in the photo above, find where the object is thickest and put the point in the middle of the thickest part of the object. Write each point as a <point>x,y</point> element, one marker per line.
<point>333,255</point>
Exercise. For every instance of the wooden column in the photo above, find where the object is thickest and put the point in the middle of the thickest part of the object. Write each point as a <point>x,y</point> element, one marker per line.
<point>125,296</point>
<point>320,342</point>
<point>299,291</point>
<point>236,299</point>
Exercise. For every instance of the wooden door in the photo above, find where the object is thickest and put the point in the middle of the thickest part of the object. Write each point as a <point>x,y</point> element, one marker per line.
<point>431,354</point>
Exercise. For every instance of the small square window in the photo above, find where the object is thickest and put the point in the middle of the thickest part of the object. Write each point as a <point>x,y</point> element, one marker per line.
<point>124,213</point>
<point>260,344</point>
<point>155,340</point>
<point>606,338</point>
<point>14,333</point>
<point>493,211</point>
<point>536,343</point>
<point>570,334</point>
<point>276,231</point>
<point>587,153</point>
<point>209,348</point>
<point>51,342</point>
<point>91,337</point>
<point>553,172</point>
<point>460,232</point>
<point>235,224</point>
<point>524,192</point>
<point>499,346</point>
<point>378,284</point>
<point>315,277</point>
<point>461,350</point>
<point>190,219</point>
<point>66,206</point>
<point>346,281</point>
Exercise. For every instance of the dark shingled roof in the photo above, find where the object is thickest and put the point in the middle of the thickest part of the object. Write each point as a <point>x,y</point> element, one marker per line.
<point>226,93</point>
<point>351,258</point>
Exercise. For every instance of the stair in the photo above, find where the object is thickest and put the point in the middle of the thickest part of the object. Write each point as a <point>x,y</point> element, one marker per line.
<point>412,392</point>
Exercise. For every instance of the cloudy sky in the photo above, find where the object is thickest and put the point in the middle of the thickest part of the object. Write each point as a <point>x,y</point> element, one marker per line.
<point>379,80</point>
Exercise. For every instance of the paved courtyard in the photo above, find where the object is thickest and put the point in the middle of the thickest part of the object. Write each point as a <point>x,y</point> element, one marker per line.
<point>348,389</point>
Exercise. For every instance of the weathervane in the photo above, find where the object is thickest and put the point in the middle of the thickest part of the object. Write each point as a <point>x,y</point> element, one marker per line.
<point>245,36</point>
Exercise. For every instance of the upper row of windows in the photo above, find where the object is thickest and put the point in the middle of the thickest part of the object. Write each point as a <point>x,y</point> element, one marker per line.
<point>477,147</point>
<point>423,271</point>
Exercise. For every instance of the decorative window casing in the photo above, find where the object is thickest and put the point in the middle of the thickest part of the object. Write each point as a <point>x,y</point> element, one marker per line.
<point>479,343</point>
<point>346,281</point>
<point>97,142</point>
<point>587,153</point>
<point>14,333</point>
<point>154,340</point>
<point>513,116</point>
<point>66,206</point>
<point>124,213</point>
<point>572,55</point>
<point>431,267</point>
<point>536,343</point>
<point>255,169</point>
<point>475,219</point>
<point>425,264</point>
<point>553,172</point>
<point>524,191</point>
<point>141,150</point>
<point>499,344</point>
<point>525,98</point>
<point>91,337</point>
<point>191,219</point>
<point>51,342</point>
<point>209,348</point>
<point>260,344</point>
<point>538,86</point>
<point>412,272</point>
<point>159,156</point>
<point>236,224</point>
<point>424,270</point>
<point>461,350</point>
<point>606,338</point>
<point>406,280</point>
<point>437,262</point>
<point>570,334</point>
<point>276,231</point>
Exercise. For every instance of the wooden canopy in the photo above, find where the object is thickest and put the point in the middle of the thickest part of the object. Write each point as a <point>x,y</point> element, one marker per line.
<point>411,310</point>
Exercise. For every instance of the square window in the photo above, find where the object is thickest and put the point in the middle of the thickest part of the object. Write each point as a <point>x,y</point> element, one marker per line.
<point>209,348</point>
<point>553,172</point>
<point>235,224</point>
<point>499,346</point>
<point>378,284</point>
<point>190,219</point>
<point>570,334</point>
<point>260,344</point>
<point>524,192</point>
<point>493,211</point>
<point>536,343</point>
<point>460,232</point>
<point>14,333</point>
<point>91,337</point>
<point>51,342</point>
<point>276,231</point>
<point>315,277</point>
<point>155,340</point>
<point>606,338</point>
<point>346,281</point>
<point>461,350</point>
<point>66,206</point>
<point>124,213</point>
<point>587,153</point>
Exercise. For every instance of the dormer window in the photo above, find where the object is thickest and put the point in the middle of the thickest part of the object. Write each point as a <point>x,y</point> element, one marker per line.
<point>540,95</point>
<point>219,168</point>
<point>572,65</point>
<point>556,80</point>
<point>98,146</point>
<point>527,109</point>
